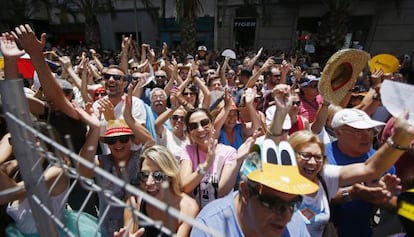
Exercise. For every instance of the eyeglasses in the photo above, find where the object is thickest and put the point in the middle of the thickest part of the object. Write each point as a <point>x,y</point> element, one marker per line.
<point>177,117</point>
<point>203,123</point>
<point>274,203</point>
<point>306,156</point>
<point>108,76</point>
<point>359,132</point>
<point>158,176</point>
<point>188,93</point>
<point>297,103</point>
<point>113,140</point>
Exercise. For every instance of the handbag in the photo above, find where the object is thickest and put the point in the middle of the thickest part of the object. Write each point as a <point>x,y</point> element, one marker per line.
<point>330,229</point>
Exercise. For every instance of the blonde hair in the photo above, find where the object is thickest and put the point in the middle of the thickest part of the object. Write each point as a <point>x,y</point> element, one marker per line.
<point>164,159</point>
<point>302,138</point>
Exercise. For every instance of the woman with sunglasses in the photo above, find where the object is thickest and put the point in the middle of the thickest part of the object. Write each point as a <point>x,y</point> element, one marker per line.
<point>158,165</point>
<point>311,158</point>
<point>208,170</point>
<point>176,139</point>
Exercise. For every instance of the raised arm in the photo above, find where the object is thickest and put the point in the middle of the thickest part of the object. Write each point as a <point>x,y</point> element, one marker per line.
<point>50,86</point>
<point>126,42</point>
<point>252,82</point>
<point>164,116</point>
<point>141,134</point>
<point>222,116</point>
<point>10,53</point>
<point>88,149</point>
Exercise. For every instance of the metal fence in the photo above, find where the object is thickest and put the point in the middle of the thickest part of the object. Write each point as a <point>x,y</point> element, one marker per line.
<point>28,153</point>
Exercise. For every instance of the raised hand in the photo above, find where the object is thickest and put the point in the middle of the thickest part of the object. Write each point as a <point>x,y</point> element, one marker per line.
<point>9,47</point>
<point>107,108</point>
<point>249,95</point>
<point>28,40</point>
<point>126,41</point>
<point>281,94</point>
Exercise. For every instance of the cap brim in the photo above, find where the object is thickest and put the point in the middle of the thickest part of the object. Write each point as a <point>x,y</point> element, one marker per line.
<point>283,178</point>
<point>365,124</point>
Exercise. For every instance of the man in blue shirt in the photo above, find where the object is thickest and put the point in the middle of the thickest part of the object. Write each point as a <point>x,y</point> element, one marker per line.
<point>354,206</point>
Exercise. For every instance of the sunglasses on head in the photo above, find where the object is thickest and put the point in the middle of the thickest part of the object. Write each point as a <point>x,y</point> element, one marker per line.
<point>113,140</point>
<point>314,86</point>
<point>158,176</point>
<point>274,203</point>
<point>297,103</point>
<point>107,76</point>
<point>203,123</point>
<point>176,117</point>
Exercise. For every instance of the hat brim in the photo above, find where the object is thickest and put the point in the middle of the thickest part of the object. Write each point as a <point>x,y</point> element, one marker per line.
<point>283,178</point>
<point>385,62</point>
<point>340,74</point>
<point>365,124</point>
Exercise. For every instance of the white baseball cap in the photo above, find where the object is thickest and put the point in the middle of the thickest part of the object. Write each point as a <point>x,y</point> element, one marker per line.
<point>354,118</point>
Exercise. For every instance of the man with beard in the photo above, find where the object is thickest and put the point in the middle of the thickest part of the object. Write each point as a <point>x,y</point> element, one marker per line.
<point>111,106</point>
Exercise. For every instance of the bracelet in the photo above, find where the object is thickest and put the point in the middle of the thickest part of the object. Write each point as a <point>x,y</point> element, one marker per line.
<point>394,145</point>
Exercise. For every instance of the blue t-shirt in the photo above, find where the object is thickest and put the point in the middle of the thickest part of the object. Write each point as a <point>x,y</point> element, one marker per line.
<point>238,133</point>
<point>351,218</point>
<point>220,215</point>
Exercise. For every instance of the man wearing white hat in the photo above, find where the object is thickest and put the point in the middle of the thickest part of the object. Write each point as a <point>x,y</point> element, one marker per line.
<point>354,205</point>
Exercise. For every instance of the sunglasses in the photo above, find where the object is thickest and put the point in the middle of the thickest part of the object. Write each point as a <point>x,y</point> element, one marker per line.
<point>188,93</point>
<point>136,78</point>
<point>306,156</point>
<point>113,140</point>
<point>107,76</point>
<point>297,103</point>
<point>100,94</point>
<point>203,123</point>
<point>158,176</point>
<point>176,117</point>
<point>274,203</point>
<point>160,76</point>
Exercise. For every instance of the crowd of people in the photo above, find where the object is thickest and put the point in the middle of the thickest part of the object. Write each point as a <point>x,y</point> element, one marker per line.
<point>248,146</point>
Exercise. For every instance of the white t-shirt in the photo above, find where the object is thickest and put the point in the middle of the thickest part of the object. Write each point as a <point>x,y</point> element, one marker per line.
<point>174,144</point>
<point>315,210</point>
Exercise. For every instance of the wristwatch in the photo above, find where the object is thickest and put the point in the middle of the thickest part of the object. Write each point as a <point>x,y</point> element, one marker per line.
<point>345,196</point>
<point>201,170</point>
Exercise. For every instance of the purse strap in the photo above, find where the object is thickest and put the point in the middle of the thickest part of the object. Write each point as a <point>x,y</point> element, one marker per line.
<point>325,189</point>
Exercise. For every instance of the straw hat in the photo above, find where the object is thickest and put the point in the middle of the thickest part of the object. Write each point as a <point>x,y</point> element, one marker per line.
<point>340,73</point>
<point>116,128</point>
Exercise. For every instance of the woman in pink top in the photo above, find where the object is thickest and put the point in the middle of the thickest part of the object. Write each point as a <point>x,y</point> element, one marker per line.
<point>208,170</point>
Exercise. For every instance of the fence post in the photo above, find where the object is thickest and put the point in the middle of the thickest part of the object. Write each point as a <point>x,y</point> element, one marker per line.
<point>14,102</point>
